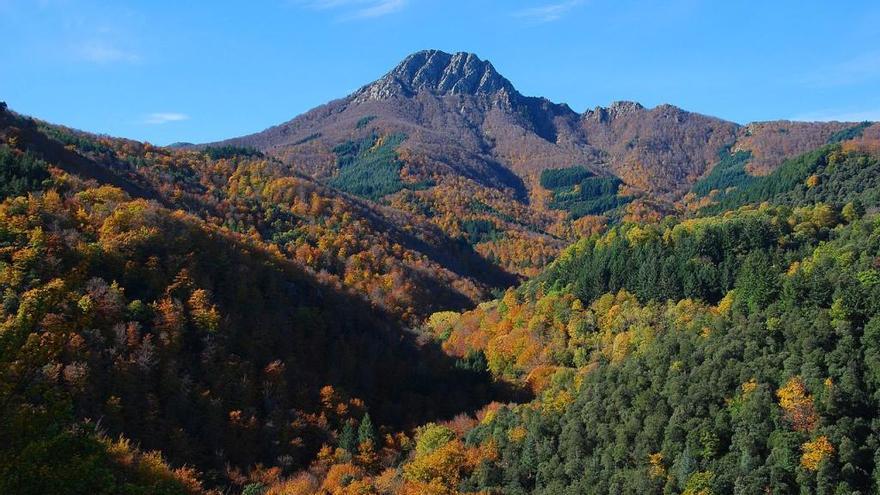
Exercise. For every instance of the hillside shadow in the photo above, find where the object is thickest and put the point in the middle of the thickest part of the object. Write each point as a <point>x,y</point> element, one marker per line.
<point>226,397</point>
<point>56,154</point>
<point>510,180</point>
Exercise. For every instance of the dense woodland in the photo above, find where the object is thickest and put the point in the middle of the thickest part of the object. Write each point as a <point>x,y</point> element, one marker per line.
<point>213,320</point>
<point>767,388</point>
<point>122,317</point>
<point>581,193</point>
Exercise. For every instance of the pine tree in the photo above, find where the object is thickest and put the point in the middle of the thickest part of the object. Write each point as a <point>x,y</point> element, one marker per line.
<point>348,437</point>
<point>366,431</point>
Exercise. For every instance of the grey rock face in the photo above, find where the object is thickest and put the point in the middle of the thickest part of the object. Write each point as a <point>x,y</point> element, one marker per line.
<point>442,74</point>
<point>615,110</point>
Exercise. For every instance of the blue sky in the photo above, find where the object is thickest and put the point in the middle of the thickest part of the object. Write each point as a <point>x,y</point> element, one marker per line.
<point>166,71</point>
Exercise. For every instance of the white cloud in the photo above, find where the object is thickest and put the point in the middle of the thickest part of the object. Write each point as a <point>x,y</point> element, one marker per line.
<point>381,8</point>
<point>358,9</point>
<point>840,115</point>
<point>547,13</point>
<point>165,117</point>
<point>101,52</point>
<point>861,69</point>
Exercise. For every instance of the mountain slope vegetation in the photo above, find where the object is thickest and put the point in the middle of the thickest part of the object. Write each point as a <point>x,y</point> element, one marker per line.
<point>721,354</point>
<point>767,388</point>
<point>438,285</point>
<point>388,255</point>
<point>207,345</point>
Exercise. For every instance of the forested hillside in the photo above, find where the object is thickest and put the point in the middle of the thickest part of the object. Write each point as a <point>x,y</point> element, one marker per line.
<point>121,317</point>
<point>401,263</point>
<point>754,374</point>
<point>437,285</point>
<point>723,354</point>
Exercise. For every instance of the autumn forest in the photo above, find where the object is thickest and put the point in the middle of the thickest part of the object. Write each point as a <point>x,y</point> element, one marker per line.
<point>438,285</point>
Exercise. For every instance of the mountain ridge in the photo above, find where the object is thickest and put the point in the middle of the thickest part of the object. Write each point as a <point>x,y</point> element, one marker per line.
<point>466,119</point>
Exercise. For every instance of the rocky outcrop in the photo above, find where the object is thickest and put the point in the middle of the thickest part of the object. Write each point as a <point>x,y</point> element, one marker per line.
<point>441,74</point>
<point>617,109</point>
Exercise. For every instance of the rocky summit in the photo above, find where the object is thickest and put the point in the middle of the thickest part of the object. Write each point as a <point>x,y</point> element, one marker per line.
<point>439,73</point>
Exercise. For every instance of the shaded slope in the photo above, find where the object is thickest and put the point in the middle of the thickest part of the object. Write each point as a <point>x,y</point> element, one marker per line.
<point>204,344</point>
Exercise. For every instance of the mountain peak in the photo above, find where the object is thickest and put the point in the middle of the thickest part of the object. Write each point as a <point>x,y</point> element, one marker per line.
<point>626,106</point>
<point>439,73</point>
<point>615,110</point>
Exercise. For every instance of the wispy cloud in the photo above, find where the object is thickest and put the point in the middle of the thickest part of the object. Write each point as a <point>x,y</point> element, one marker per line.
<point>548,13</point>
<point>358,9</point>
<point>840,115</point>
<point>164,117</point>
<point>861,69</point>
<point>102,52</point>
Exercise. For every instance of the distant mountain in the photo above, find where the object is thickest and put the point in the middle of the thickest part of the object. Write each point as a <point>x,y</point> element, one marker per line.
<point>461,117</point>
